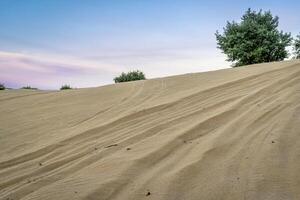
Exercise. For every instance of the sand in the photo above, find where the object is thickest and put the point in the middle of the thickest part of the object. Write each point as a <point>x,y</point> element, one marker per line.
<point>228,134</point>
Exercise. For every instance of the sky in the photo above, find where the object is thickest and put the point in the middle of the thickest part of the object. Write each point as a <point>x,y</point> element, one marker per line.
<point>86,43</point>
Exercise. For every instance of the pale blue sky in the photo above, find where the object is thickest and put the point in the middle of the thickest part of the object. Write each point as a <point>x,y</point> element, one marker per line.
<point>45,43</point>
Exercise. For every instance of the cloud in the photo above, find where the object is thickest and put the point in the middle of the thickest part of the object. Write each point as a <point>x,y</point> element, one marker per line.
<point>48,72</point>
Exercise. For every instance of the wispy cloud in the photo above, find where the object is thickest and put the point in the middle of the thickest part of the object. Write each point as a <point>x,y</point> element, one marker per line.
<point>49,72</point>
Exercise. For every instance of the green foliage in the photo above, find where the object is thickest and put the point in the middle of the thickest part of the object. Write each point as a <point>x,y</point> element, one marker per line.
<point>296,47</point>
<point>28,87</point>
<point>130,76</point>
<point>255,39</point>
<point>2,86</point>
<point>65,87</point>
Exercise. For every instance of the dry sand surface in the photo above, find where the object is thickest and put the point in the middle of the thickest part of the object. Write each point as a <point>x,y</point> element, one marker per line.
<point>229,134</point>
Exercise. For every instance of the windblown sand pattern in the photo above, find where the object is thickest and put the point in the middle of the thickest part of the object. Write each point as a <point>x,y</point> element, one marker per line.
<point>230,134</point>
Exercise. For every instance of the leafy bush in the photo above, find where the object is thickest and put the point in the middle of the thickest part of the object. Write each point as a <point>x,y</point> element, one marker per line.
<point>2,86</point>
<point>255,39</point>
<point>130,76</point>
<point>28,87</point>
<point>65,87</point>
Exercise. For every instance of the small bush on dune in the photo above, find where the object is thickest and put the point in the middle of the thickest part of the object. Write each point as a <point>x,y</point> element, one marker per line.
<point>28,87</point>
<point>65,87</point>
<point>130,76</point>
<point>2,86</point>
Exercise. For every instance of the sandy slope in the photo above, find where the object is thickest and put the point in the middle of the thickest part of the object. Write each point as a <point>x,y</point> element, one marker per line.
<point>229,134</point>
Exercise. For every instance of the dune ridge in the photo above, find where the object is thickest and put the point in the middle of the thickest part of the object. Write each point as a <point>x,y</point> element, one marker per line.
<point>226,134</point>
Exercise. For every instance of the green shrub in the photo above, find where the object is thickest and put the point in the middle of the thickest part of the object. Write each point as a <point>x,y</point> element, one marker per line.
<point>2,86</point>
<point>28,87</point>
<point>130,76</point>
<point>255,39</point>
<point>65,87</point>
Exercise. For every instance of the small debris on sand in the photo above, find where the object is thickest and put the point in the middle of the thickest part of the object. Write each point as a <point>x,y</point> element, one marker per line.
<point>112,145</point>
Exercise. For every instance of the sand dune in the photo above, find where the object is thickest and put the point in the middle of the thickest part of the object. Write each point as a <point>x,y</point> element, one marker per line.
<point>228,134</point>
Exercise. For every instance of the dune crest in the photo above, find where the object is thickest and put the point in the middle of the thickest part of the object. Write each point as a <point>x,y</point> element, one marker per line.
<point>227,134</point>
